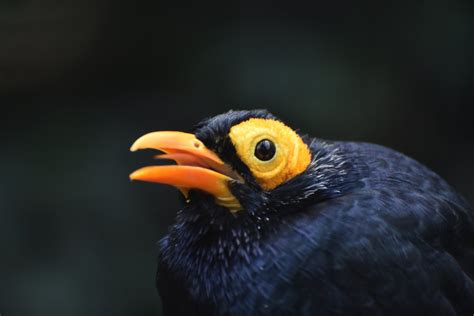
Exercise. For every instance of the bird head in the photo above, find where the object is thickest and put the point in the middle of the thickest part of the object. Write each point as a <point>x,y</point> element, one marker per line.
<point>247,162</point>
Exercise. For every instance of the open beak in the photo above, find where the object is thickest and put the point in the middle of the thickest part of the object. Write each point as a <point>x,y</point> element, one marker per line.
<point>197,166</point>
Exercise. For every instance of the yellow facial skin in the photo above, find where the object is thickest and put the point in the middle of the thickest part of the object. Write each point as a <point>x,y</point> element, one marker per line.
<point>291,158</point>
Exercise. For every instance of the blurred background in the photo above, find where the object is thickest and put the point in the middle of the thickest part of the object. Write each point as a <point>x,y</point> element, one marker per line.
<point>80,80</point>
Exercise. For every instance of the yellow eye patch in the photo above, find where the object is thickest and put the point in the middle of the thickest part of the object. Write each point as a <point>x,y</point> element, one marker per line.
<point>291,156</point>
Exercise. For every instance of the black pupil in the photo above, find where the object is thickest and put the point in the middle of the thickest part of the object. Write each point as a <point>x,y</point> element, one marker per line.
<point>265,150</point>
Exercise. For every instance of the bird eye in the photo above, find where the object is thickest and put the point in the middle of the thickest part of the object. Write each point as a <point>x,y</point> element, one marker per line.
<point>265,150</point>
<point>273,152</point>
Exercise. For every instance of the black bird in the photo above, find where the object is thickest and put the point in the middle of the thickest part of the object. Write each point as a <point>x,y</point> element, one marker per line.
<point>278,223</point>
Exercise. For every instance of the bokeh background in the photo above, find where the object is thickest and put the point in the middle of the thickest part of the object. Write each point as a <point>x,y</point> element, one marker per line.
<point>81,79</point>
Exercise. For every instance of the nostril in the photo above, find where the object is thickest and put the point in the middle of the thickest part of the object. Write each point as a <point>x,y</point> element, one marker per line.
<point>197,145</point>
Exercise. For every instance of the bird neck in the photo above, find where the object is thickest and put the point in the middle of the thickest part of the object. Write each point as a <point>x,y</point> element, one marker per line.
<point>204,251</point>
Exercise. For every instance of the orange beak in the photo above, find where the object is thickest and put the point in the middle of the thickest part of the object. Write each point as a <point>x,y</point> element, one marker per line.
<point>197,166</point>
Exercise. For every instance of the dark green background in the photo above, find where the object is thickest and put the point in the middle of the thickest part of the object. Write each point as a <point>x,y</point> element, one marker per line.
<point>81,79</point>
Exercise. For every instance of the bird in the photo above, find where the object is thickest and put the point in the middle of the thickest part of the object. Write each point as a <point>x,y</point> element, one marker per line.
<point>276,222</point>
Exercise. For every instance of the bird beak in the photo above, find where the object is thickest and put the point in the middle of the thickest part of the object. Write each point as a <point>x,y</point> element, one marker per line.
<point>197,166</point>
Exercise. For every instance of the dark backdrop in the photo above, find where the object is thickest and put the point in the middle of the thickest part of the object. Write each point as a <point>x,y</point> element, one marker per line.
<point>81,79</point>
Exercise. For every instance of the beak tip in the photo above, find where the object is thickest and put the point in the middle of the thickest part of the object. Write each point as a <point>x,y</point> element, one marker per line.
<point>134,147</point>
<point>133,176</point>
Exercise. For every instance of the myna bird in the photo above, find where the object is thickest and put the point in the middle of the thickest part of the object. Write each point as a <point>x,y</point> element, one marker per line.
<point>279,223</point>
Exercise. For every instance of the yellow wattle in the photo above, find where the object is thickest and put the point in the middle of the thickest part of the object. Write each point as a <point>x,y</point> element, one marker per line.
<point>291,158</point>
